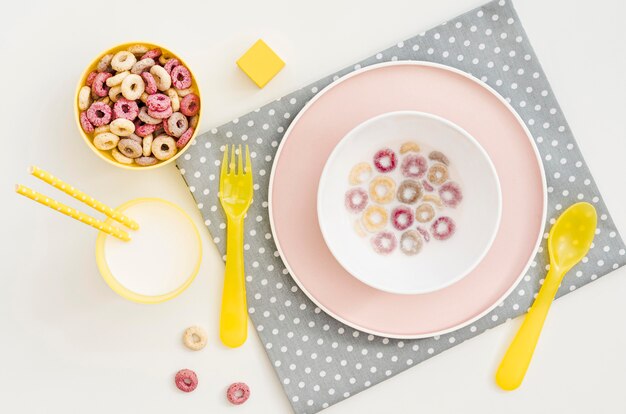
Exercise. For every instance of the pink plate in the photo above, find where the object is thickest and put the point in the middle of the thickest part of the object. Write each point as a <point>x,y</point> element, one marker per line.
<point>416,86</point>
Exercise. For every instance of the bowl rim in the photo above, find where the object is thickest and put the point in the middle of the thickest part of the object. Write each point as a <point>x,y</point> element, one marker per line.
<point>87,139</point>
<point>324,178</point>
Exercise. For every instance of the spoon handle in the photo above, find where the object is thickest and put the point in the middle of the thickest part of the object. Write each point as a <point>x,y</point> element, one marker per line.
<point>513,367</point>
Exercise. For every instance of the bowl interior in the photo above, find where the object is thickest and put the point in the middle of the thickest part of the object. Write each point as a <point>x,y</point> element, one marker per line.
<point>88,138</point>
<point>440,263</point>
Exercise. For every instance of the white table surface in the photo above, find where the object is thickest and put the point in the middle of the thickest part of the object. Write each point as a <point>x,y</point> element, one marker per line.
<point>69,344</point>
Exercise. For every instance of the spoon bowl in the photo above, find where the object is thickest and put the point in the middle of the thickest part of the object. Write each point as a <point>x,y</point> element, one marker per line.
<point>571,236</point>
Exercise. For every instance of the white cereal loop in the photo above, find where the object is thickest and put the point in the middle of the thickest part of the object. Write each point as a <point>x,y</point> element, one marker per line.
<point>101,129</point>
<point>117,79</point>
<point>162,78</point>
<point>115,93</point>
<point>103,64</point>
<point>133,86</point>
<point>143,116</point>
<point>129,148</point>
<point>105,141</point>
<point>122,159</point>
<point>106,100</point>
<point>184,92</point>
<point>142,65</point>
<point>84,98</point>
<point>193,122</point>
<point>123,61</point>
<point>174,99</point>
<point>144,97</point>
<point>195,338</point>
<point>138,50</point>
<point>122,127</point>
<point>164,147</point>
<point>147,145</point>
<point>163,59</point>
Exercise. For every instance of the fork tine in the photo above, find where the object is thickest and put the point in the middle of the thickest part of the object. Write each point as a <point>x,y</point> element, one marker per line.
<point>248,161</point>
<point>240,162</point>
<point>232,159</point>
<point>224,171</point>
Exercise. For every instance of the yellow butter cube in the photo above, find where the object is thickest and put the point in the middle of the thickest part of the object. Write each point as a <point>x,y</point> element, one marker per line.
<point>260,63</point>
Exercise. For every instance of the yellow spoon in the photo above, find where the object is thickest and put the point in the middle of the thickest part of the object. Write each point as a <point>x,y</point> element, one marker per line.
<point>569,241</point>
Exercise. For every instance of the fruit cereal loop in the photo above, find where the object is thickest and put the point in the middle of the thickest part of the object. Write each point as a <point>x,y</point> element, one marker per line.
<point>164,147</point>
<point>171,64</point>
<point>162,78</point>
<point>177,124</point>
<point>136,138</point>
<point>122,127</point>
<point>163,59</point>
<point>358,228</point>
<point>387,184</point>
<point>126,109</point>
<point>84,98</point>
<point>119,157</point>
<point>138,50</point>
<point>144,97</point>
<point>356,200</point>
<point>99,114</point>
<point>193,122</point>
<point>374,218</point>
<point>145,130</point>
<point>145,161</point>
<point>411,242</point>
<point>181,77</point>
<point>147,145</point>
<point>427,186</point>
<point>438,156</point>
<point>190,105</point>
<point>384,242</point>
<point>443,228</point>
<point>171,93</point>
<point>152,54</point>
<point>151,86</point>
<point>432,198</point>
<point>184,139</point>
<point>103,64</point>
<point>117,79</point>
<point>424,233</point>
<point>424,213</point>
<point>437,174</point>
<point>238,393</point>
<point>85,124</point>
<point>158,102</point>
<point>101,129</point>
<point>194,338</point>
<point>360,173</point>
<point>105,141</point>
<point>451,194</point>
<point>142,66</point>
<point>414,166</point>
<point>186,380</point>
<point>115,93</point>
<point>401,218</point>
<point>161,114</point>
<point>409,146</point>
<point>90,78</point>
<point>132,87</point>
<point>144,117</point>
<point>130,148</point>
<point>409,192</point>
<point>183,92</point>
<point>385,160</point>
<point>98,87</point>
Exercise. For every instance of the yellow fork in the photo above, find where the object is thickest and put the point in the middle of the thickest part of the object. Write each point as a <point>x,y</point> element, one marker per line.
<point>235,196</point>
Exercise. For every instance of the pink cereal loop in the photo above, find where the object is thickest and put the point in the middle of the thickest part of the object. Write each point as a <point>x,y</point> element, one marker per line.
<point>184,139</point>
<point>151,86</point>
<point>126,109</point>
<point>190,105</point>
<point>99,114</point>
<point>145,130</point>
<point>161,114</point>
<point>152,54</point>
<point>238,393</point>
<point>84,122</point>
<point>99,86</point>
<point>158,102</point>
<point>171,64</point>
<point>90,78</point>
<point>181,77</point>
<point>186,380</point>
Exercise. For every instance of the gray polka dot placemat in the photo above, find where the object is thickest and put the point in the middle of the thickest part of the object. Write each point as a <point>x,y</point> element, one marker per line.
<point>320,361</point>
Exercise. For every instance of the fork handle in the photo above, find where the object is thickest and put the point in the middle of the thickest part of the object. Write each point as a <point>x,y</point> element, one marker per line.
<point>234,315</point>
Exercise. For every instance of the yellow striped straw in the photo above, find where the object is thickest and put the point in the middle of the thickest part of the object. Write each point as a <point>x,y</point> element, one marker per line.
<point>80,196</point>
<point>69,211</point>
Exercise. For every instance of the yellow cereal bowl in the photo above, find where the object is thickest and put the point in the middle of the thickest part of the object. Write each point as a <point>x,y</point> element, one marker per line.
<point>106,155</point>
